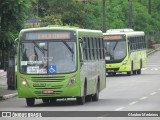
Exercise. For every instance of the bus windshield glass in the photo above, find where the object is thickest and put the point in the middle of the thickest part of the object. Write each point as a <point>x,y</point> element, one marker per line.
<point>115,50</point>
<point>47,57</point>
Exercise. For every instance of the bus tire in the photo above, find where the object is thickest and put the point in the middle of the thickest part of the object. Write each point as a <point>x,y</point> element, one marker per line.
<point>134,72</point>
<point>30,101</point>
<point>88,98</point>
<point>114,73</point>
<point>95,97</point>
<point>139,71</point>
<point>81,100</point>
<point>52,100</point>
<point>129,73</point>
<point>45,100</point>
<point>109,74</point>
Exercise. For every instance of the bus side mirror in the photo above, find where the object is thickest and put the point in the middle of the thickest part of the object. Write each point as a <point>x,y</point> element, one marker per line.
<point>15,49</point>
<point>15,46</point>
<point>83,43</point>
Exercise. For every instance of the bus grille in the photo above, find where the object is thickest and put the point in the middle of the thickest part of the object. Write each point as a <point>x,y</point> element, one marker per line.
<point>48,79</point>
<point>38,90</point>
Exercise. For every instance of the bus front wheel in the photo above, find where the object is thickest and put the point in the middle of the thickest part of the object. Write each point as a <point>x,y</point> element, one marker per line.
<point>139,71</point>
<point>129,73</point>
<point>53,100</point>
<point>30,101</point>
<point>45,100</point>
<point>95,97</point>
<point>81,100</point>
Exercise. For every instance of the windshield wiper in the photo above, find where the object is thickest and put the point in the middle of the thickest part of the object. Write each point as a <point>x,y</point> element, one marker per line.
<point>36,45</point>
<point>115,45</point>
<point>69,48</point>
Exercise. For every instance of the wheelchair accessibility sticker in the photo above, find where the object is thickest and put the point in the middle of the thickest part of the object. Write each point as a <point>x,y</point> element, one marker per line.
<point>52,68</point>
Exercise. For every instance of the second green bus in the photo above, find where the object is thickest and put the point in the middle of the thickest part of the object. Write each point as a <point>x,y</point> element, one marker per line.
<point>125,51</point>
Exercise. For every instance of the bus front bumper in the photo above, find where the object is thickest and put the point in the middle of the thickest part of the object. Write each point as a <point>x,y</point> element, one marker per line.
<point>66,92</point>
<point>117,68</point>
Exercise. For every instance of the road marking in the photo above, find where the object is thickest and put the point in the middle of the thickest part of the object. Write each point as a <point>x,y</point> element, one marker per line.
<point>143,68</point>
<point>143,98</point>
<point>154,69</point>
<point>132,103</point>
<point>153,93</point>
<point>120,108</point>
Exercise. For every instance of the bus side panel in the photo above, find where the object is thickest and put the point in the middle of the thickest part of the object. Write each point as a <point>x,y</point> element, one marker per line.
<point>139,59</point>
<point>91,71</point>
<point>102,74</point>
<point>88,74</point>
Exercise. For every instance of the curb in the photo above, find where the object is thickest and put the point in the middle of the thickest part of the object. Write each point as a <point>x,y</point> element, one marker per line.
<point>4,97</point>
<point>153,51</point>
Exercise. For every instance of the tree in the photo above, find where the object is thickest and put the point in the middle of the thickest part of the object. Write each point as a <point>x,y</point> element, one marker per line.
<point>12,14</point>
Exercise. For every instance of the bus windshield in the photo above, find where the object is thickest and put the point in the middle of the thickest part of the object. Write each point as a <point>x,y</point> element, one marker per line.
<point>115,50</point>
<point>47,57</point>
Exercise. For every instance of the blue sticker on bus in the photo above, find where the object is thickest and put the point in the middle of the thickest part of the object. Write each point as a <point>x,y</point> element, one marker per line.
<point>52,68</point>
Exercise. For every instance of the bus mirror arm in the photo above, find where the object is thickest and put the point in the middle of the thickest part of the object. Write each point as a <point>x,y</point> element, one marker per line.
<point>15,49</point>
<point>15,46</point>
<point>82,42</point>
<point>128,43</point>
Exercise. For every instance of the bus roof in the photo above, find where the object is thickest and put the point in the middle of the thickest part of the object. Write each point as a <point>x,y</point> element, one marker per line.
<point>56,27</point>
<point>126,31</point>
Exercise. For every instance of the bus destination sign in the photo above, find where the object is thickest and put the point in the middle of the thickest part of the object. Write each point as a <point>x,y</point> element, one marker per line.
<point>47,35</point>
<point>113,37</point>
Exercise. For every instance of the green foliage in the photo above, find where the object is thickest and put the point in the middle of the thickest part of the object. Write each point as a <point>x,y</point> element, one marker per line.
<point>117,14</point>
<point>84,14</point>
<point>12,14</point>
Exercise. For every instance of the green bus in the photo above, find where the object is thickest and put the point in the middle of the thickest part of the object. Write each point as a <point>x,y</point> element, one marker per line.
<point>57,62</point>
<point>125,51</point>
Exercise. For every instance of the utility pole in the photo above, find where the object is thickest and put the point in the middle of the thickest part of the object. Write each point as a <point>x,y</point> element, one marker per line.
<point>149,7</point>
<point>149,12</point>
<point>130,14</point>
<point>104,16</point>
<point>37,9</point>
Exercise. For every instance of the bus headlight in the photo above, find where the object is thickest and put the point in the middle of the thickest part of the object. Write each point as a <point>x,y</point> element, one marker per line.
<point>24,82</point>
<point>125,62</point>
<point>72,81</point>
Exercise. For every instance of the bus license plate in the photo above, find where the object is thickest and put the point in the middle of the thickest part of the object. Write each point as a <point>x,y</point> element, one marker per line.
<point>48,91</point>
<point>110,71</point>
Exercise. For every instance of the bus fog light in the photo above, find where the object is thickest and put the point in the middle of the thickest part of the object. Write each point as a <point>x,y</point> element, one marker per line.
<point>72,80</point>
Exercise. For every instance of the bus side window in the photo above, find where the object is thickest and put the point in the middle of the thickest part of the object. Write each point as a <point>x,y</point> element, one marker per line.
<point>129,44</point>
<point>98,47</point>
<point>82,49</point>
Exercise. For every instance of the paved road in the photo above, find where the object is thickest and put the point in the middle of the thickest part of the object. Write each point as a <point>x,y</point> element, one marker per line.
<point>123,93</point>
